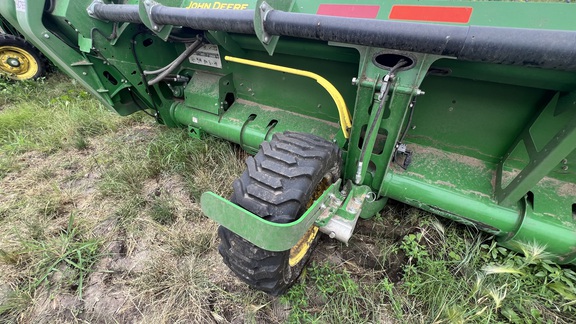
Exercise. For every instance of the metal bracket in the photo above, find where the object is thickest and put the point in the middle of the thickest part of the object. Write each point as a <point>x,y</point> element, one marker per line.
<point>145,12</point>
<point>145,9</point>
<point>90,9</point>
<point>335,213</point>
<point>148,5</point>
<point>543,145</point>
<point>263,8</point>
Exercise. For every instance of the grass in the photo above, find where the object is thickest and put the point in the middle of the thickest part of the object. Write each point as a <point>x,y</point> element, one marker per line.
<point>101,223</point>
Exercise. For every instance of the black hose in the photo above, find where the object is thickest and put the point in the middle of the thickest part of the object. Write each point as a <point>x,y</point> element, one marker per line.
<point>412,106</point>
<point>553,49</point>
<point>143,77</point>
<point>388,79</point>
<point>170,67</point>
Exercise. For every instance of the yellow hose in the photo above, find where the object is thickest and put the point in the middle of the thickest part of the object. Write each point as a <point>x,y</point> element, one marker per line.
<point>343,112</point>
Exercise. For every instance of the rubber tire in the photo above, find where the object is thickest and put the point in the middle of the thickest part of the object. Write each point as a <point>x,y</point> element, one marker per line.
<point>40,60</point>
<point>277,185</point>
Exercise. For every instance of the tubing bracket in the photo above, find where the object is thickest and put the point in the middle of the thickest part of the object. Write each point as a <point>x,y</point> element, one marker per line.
<point>90,10</point>
<point>145,9</point>
<point>263,8</point>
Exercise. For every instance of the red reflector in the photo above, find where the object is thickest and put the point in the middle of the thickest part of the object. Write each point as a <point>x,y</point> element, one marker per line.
<point>431,13</point>
<point>350,11</point>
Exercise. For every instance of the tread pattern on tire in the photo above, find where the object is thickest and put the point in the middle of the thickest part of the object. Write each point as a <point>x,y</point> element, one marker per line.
<point>11,40</point>
<point>277,184</point>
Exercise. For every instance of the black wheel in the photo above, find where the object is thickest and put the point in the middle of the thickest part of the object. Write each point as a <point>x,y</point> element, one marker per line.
<point>19,60</point>
<point>279,184</point>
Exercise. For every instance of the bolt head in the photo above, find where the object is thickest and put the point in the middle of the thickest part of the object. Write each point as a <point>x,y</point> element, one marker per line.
<point>13,62</point>
<point>46,36</point>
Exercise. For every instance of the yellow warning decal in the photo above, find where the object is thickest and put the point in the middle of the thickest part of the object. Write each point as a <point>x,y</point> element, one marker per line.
<point>217,5</point>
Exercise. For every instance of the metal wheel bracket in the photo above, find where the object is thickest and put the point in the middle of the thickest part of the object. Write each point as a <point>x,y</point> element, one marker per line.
<point>335,213</point>
<point>343,209</point>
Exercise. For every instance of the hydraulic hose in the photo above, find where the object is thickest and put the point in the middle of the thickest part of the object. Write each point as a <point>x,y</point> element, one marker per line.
<point>170,67</point>
<point>383,94</point>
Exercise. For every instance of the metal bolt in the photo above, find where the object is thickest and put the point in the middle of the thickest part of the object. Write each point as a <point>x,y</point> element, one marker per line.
<point>90,12</point>
<point>564,161</point>
<point>357,200</point>
<point>46,35</point>
<point>565,168</point>
<point>155,27</point>
<point>13,62</point>
<point>420,92</point>
<point>332,235</point>
<point>354,81</point>
<point>322,206</point>
<point>266,39</point>
<point>351,210</point>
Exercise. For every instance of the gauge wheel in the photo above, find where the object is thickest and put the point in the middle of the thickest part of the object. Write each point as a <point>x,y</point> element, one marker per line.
<point>19,60</point>
<point>280,183</point>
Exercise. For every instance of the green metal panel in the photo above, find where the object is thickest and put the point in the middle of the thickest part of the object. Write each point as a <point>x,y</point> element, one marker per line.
<point>243,222</point>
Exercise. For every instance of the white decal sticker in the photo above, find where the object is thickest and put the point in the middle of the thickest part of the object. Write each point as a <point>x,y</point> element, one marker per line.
<point>208,55</point>
<point>21,5</point>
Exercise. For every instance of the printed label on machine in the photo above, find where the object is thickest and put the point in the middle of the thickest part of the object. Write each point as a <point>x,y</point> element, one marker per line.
<point>208,55</point>
<point>21,5</point>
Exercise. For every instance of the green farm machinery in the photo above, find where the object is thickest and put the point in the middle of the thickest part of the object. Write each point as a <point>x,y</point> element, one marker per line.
<point>19,60</point>
<point>465,109</point>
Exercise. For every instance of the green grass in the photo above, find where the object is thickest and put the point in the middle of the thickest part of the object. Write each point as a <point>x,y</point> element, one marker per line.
<point>449,274</point>
<point>47,116</point>
<point>64,260</point>
<point>101,223</point>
